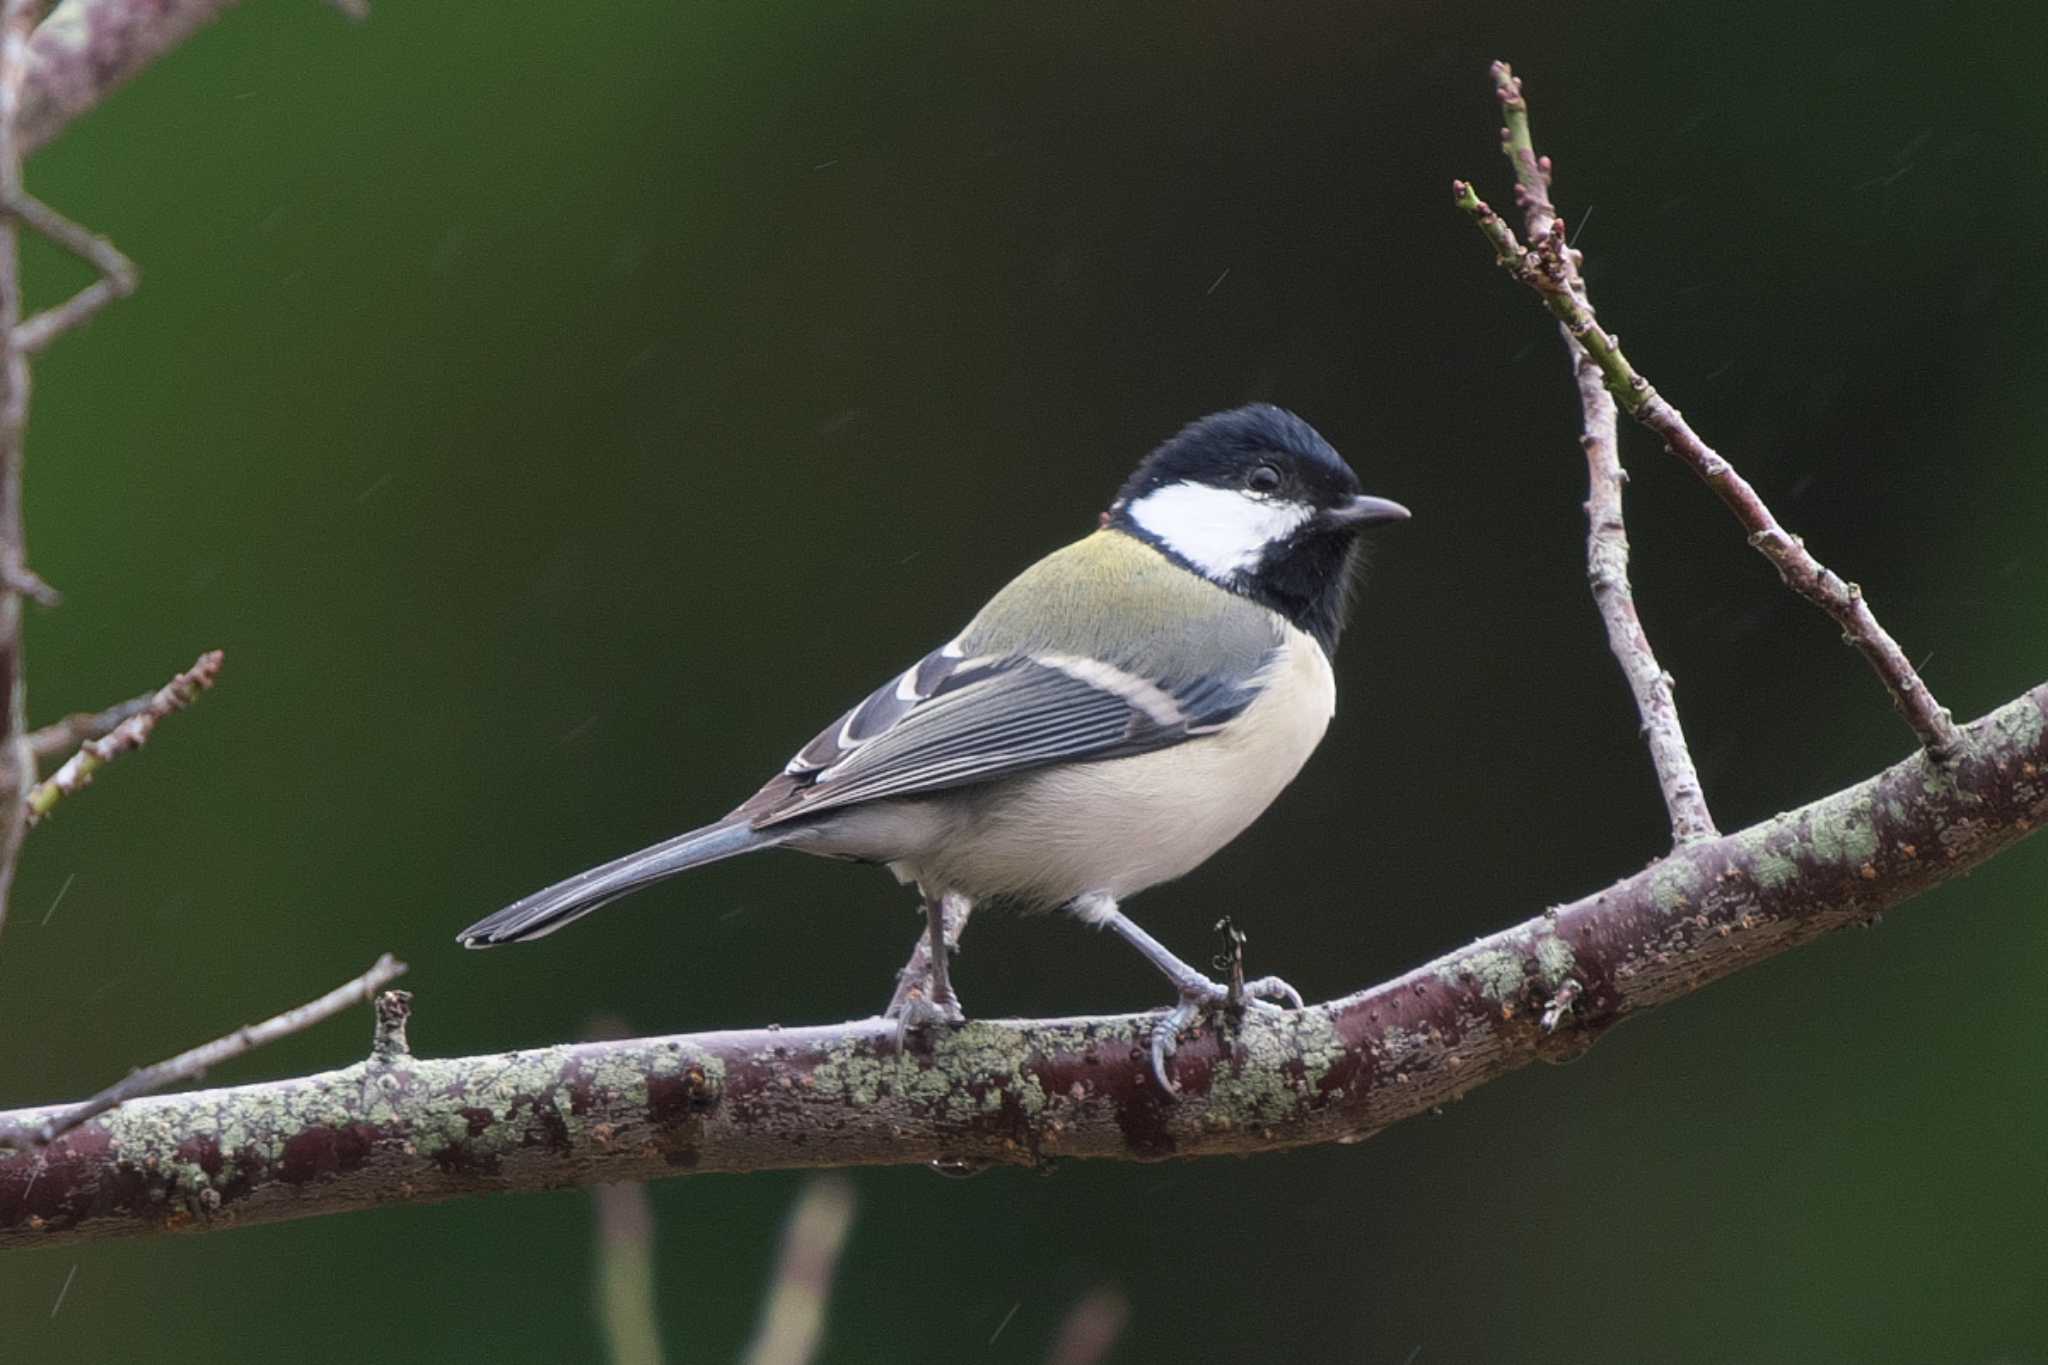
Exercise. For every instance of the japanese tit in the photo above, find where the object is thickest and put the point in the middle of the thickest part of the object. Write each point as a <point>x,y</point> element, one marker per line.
<point>1121,710</point>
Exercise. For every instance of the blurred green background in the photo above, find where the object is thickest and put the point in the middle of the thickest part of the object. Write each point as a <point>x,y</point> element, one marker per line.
<point>558,412</point>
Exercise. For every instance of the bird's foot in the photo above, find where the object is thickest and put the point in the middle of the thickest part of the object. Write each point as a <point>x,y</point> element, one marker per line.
<point>1199,996</point>
<point>919,1008</point>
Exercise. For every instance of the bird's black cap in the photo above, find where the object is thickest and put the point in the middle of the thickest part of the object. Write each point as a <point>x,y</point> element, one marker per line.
<point>1221,448</point>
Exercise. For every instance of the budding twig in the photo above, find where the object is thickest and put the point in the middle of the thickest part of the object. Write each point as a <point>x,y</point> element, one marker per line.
<point>128,735</point>
<point>54,741</point>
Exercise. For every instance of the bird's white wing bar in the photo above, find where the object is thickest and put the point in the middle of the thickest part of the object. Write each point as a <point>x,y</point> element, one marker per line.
<point>986,718</point>
<point>884,707</point>
<point>1141,693</point>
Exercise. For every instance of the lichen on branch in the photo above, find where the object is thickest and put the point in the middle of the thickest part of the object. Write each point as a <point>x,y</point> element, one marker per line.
<point>402,1129</point>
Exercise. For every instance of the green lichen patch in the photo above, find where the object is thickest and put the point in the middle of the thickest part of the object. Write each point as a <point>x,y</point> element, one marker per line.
<point>620,1080</point>
<point>1498,972</point>
<point>1673,886</point>
<point>1843,831</point>
<point>973,1069</point>
<point>1774,870</point>
<point>1274,1061</point>
<point>1774,849</point>
<point>1504,974</point>
<point>1555,960</point>
<point>2019,725</point>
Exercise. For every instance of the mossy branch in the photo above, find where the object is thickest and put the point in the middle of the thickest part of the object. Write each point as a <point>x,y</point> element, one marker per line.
<point>400,1129</point>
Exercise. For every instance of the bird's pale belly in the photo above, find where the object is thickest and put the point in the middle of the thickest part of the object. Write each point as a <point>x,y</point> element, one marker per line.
<point>1124,824</point>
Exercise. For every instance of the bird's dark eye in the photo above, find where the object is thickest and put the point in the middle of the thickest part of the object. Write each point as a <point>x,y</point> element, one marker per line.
<point>1263,479</point>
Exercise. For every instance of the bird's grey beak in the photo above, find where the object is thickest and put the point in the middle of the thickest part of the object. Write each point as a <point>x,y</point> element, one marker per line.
<point>1362,511</point>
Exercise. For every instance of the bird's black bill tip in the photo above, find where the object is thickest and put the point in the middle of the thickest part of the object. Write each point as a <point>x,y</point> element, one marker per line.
<point>1364,511</point>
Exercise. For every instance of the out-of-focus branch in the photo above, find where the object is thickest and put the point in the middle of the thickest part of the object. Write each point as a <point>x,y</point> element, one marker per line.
<point>130,734</point>
<point>792,1325</point>
<point>118,276</point>
<point>624,1265</point>
<point>1091,1328</point>
<point>1542,266</point>
<point>53,1125</point>
<point>17,763</point>
<point>1606,532</point>
<point>87,49</point>
<point>995,1092</point>
<point>625,1275</point>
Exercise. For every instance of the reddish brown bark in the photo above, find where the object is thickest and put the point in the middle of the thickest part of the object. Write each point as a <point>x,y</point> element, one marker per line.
<point>399,1129</point>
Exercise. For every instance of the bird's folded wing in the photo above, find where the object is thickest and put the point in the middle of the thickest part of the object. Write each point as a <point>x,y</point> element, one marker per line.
<point>952,721</point>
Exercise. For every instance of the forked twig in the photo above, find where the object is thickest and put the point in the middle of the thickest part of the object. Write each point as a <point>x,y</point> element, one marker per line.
<point>1606,532</point>
<point>1543,267</point>
<point>118,275</point>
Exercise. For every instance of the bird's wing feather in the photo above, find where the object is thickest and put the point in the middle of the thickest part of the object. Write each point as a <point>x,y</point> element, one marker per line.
<point>991,717</point>
<point>1014,693</point>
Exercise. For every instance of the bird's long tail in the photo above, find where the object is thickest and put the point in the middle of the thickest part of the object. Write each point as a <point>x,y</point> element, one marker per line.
<point>546,911</point>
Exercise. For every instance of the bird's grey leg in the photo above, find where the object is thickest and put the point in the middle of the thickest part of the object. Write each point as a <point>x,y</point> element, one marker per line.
<point>1197,992</point>
<point>924,988</point>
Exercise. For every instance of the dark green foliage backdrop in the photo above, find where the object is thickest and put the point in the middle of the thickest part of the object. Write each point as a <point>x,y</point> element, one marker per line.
<point>557,412</point>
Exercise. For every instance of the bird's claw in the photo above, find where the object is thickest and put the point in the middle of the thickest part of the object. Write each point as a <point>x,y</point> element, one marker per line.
<point>1203,996</point>
<point>918,1011</point>
<point>1272,989</point>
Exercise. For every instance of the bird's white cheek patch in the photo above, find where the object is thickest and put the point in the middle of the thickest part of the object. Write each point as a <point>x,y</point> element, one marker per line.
<point>1218,530</point>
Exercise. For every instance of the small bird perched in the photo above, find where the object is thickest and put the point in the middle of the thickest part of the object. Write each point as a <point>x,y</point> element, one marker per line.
<point>1121,710</point>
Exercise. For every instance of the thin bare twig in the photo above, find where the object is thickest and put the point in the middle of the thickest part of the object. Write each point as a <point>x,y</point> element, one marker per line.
<point>792,1323</point>
<point>196,1062</point>
<point>1026,1092</point>
<point>1542,267</point>
<point>1606,533</point>
<point>118,275</point>
<point>1091,1329</point>
<point>126,737</point>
